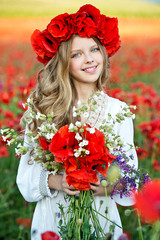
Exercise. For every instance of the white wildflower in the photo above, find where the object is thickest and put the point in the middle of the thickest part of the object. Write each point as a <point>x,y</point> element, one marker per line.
<point>86,114</point>
<point>49,135</point>
<point>71,126</point>
<point>23,105</point>
<point>74,109</point>
<point>19,145</point>
<point>76,154</point>
<point>95,97</point>
<point>38,116</point>
<point>28,100</point>
<point>92,130</point>
<point>4,138</point>
<point>74,114</point>
<point>42,128</point>
<point>133,116</point>
<point>102,93</point>
<point>81,144</point>
<point>79,102</point>
<point>78,124</point>
<point>2,131</point>
<point>8,142</point>
<point>80,150</point>
<point>87,152</point>
<point>78,137</point>
<point>85,142</point>
<point>17,151</point>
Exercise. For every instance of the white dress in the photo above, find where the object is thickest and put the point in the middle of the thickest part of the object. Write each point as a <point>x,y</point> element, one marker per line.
<point>32,181</point>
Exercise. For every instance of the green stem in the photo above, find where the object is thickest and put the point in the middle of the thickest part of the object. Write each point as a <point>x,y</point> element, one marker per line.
<point>107,218</point>
<point>140,229</point>
<point>156,230</point>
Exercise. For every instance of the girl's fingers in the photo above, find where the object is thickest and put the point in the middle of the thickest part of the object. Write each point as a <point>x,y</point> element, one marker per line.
<point>97,183</point>
<point>66,190</point>
<point>94,188</point>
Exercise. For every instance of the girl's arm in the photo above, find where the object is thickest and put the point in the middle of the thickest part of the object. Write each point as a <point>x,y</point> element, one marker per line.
<point>32,179</point>
<point>35,183</point>
<point>126,132</point>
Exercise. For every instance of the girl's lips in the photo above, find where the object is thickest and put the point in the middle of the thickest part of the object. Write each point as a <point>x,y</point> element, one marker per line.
<point>90,69</point>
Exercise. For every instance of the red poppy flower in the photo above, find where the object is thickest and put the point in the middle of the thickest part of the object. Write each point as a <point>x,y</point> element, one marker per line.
<point>148,201</point>
<point>4,152</point>
<point>44,45</point>
<point>8,114</point>
<point>50,236</point>
<point>88,28</point>
<point>62,143</point>
<point>156,165</point>
<point>92,12</point>
<point>77,19</point>
<point>59,27</point>
<point>142,153</point>
<point>26,222</point>
<point>79,179</point>
<point>70,165</point>
<point>44,143</point>
<point>5,97</point>
<point>108,34</point>
<point>21,105</point>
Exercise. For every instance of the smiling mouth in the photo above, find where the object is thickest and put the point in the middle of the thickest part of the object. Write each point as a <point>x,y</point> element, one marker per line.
<point>89,69</point>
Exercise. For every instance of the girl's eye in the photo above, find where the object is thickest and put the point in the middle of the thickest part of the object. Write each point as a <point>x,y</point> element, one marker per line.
<point>76,55</point>
<point>95,49</point>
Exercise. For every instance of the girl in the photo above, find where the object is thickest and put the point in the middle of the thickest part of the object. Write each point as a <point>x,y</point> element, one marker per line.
<point>75,49</point>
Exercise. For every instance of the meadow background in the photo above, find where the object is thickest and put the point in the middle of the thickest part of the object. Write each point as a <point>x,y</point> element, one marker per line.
<point>135,72</point>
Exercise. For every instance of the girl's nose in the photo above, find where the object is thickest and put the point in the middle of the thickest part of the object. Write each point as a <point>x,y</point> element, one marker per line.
<point>88,58</point>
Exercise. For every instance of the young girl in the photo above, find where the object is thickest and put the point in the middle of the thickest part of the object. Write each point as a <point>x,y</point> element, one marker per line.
<point>75,49</point>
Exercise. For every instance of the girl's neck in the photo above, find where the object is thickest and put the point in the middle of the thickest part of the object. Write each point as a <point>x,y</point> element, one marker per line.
<point>84,92</point>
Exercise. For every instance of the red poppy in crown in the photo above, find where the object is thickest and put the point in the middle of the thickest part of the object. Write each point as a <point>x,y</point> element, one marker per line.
<point>87,22</point>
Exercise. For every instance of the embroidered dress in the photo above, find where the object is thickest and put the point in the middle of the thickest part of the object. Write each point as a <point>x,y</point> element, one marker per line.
<point>33,185</point>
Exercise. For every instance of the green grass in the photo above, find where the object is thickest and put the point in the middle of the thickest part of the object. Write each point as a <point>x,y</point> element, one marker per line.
<point>35,8</point>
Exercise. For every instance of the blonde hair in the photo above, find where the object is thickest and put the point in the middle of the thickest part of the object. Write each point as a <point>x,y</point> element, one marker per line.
<point>55,91</point>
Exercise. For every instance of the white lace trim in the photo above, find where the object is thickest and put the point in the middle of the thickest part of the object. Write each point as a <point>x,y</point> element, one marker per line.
<point>43,185</point>
<point>95,118</point>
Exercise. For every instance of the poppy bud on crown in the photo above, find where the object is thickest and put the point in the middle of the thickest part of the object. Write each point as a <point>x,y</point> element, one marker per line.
<point>87,22</point>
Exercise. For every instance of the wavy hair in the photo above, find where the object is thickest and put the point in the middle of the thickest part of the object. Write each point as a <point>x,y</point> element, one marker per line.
<point>55,91</point>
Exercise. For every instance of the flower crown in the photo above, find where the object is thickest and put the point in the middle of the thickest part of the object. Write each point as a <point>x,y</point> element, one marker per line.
<point>87,22</point>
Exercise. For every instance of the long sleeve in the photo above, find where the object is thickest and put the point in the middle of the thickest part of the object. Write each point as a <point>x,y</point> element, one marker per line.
<point>126,131</point>
<point>32,179</point>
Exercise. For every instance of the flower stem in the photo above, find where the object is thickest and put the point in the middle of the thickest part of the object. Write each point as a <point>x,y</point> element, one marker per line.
<point>156,230</point>
<point>107,218</point>
<point>140,229</point>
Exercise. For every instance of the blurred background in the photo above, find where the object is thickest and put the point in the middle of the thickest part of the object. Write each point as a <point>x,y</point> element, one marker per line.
<point>135,72</point>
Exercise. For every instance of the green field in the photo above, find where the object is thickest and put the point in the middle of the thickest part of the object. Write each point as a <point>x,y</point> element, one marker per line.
<point>29,8</point>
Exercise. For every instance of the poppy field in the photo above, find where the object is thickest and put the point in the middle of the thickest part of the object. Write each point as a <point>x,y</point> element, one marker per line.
<point>134,79</point>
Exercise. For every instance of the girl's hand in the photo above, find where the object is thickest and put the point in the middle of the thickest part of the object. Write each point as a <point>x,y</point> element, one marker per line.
<point>58,182</point>
<point>98,189</point>
<point>66,188</point>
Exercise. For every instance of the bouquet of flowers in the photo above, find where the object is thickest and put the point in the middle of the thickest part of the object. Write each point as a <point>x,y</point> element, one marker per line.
<point>82,152</point>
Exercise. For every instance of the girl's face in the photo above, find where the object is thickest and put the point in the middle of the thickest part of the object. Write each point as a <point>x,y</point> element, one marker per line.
<point>86,61</point>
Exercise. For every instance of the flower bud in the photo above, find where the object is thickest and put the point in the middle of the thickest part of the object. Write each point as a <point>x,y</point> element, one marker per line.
<point>104,183</point>
<point>114,173</point>
<point>79,221</point>
<point>123,237</point>
<point>127,212</point>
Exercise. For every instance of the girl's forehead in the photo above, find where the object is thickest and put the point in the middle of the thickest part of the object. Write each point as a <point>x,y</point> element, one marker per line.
<point>79,42</point>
